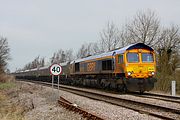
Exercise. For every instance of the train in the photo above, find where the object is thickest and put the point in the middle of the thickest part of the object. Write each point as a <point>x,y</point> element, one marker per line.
<point>131,68</point>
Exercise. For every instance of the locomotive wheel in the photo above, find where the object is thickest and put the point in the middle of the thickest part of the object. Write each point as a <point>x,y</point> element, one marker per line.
<point>125,89</point>
<point>122,88</point>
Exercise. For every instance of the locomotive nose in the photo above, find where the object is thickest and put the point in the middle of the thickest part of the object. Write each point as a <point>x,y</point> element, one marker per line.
<point>140,71</point>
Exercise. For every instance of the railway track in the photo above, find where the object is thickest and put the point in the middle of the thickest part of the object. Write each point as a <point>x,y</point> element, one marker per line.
<point>68,105</point>
<point>167,113</point>
<point>167,98</point>
<point>141,107</point>
<point>174,99</point>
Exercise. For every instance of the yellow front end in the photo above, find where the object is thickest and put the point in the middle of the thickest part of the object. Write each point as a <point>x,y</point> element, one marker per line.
<point>139,63</point>
<point>140,70</point>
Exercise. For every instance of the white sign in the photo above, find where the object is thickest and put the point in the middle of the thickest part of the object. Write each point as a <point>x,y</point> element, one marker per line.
<point>173,88</point>
<point>55,69</point>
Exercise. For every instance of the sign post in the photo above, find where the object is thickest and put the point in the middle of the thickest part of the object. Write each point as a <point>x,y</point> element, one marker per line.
<point>173,88</point>
<point>55,70</point>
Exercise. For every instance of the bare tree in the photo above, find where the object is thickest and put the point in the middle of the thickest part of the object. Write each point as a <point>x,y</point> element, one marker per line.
<point>144,28</point>
<point>84,51</point>
<point>168,49</point>
<point>58,57</point>
<point>94,47</point>
<point>62,56</point>
<point>88,49</point>
<point>124,37</point>
<point>36,63</point>
<point>53,58</point>
<point>69,55</point>
<point>4,53</point>
<point>109,38</point>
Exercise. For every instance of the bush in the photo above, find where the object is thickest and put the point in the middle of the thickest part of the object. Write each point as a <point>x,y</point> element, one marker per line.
<point>164,82</point>
<point>6,78</point>
<point>177,77</point>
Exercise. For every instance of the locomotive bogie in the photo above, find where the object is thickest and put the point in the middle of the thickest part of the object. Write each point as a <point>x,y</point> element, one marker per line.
<point>137,84</point>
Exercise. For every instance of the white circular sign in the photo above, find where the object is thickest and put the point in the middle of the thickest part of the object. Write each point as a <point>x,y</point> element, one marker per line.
<point>55,69</point>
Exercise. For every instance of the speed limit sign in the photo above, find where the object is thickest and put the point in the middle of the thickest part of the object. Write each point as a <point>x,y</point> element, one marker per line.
<point>55,69</point>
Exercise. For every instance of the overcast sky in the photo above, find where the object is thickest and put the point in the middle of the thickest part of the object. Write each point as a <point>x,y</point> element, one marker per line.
<point>41,27</point>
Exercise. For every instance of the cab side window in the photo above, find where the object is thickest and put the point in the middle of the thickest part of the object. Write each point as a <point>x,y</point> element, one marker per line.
<point>120,59</point>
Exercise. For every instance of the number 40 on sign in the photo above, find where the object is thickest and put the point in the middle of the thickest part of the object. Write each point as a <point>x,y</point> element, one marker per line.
<point>55,69</point>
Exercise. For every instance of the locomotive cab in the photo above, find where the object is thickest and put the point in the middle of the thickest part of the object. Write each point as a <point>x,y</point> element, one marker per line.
<point>140,69</point>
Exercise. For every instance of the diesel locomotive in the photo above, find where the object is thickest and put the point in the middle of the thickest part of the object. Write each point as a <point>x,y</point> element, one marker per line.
<point>131,68</point>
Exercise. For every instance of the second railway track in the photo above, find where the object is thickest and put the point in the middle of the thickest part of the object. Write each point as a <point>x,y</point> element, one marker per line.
<point>167,98</point>
<point>159,111</point>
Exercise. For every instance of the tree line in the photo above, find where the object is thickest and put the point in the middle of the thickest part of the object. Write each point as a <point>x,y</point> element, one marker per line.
<point>144,27</point>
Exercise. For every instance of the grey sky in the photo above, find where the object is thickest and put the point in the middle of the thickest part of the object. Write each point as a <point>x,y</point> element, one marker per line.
<point>41,27</point>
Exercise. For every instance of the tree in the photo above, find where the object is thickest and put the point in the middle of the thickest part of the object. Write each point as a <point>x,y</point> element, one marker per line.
<point>109,38</point>
<point>88,49</point>
<point>62,56</point>
<point>144,28</point>
<point>168,49</point>
<point>36,63</point>
<point>69,55</point>
<point>4,53</point>
<point>84,51</point>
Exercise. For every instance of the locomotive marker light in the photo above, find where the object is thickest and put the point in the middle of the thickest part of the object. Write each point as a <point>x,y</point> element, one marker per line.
<point>55,70</point>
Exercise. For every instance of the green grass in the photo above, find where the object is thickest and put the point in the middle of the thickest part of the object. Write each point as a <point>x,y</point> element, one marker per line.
<point>6,85</point>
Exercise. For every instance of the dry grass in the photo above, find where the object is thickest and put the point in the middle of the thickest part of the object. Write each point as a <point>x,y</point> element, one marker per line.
<point>2,96</point>
<point>11,113</point>
<point>8,110</point>
<point>6,78</point>
<point>164,82</point>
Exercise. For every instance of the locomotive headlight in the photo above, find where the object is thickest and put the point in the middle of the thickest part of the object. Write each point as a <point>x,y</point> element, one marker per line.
<point>129,73</point>
<point>152,73</point>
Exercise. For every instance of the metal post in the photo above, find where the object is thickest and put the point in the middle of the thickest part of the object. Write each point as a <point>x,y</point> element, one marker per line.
<point>52,81</point>
<point>52,87</point>
<point>58,82</point>
<point>173,88</point>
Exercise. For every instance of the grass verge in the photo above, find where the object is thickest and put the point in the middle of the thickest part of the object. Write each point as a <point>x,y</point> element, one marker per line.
<point>8,110</point>
<point>7,85</point>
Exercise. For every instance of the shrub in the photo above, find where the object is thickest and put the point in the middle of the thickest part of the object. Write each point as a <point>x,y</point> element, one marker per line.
<point>6,78</point>
<point>164,82</point>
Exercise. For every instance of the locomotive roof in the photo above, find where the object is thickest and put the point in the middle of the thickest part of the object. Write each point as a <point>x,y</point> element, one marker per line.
<point>118,51</point>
